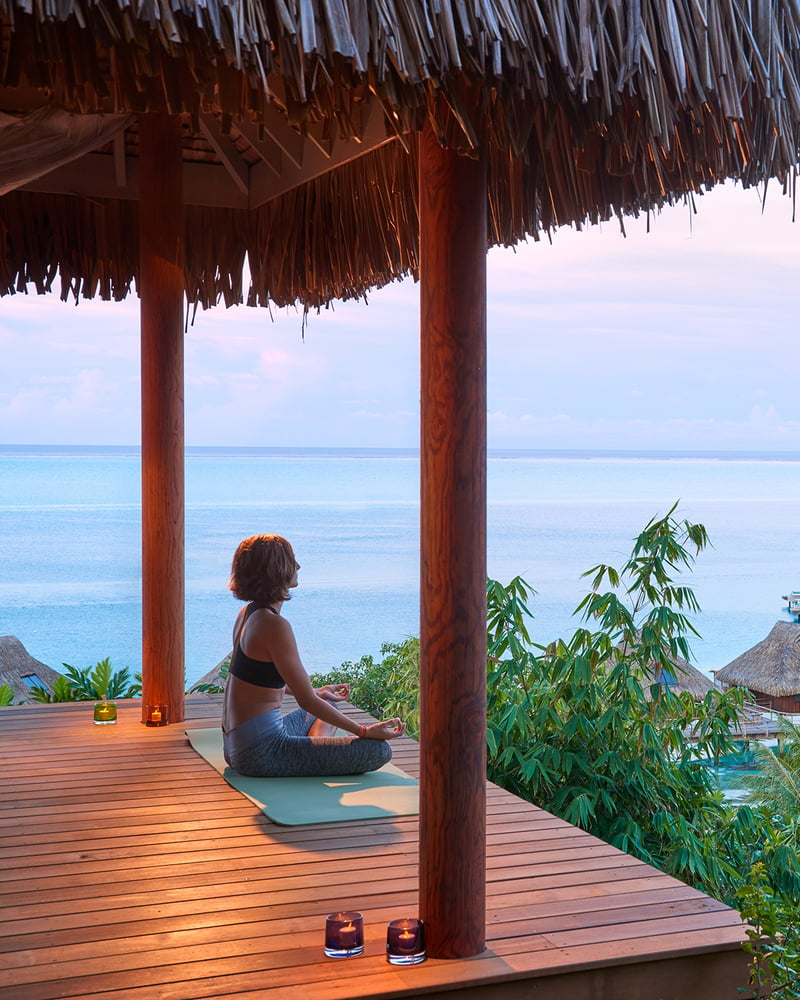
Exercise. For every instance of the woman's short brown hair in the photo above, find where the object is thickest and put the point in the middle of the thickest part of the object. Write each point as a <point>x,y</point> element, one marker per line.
<point>263,567</point>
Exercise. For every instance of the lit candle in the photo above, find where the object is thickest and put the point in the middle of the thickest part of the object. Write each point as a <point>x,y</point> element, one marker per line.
<point>105,713</point>
<point>156,715</point>
<point>405,941</point>
<point>347,936</point>
<point>344,935</point>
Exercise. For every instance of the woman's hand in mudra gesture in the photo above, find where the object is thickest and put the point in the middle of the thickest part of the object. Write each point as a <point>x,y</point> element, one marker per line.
<point>386,730</point>
<point>334,692</point>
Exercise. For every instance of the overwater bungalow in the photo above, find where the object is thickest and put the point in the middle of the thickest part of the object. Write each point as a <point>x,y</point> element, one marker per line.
<point>770,670</point>
<point>335,146</point>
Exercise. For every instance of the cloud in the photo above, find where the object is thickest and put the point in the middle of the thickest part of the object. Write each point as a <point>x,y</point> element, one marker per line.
<point>680,337</point>
<point>763,430</point>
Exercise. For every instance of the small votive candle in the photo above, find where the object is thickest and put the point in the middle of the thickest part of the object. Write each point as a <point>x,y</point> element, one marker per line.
<point>405,941</point>
<point>156,715</point>
<point>105,713</point>
<point>344,935</point>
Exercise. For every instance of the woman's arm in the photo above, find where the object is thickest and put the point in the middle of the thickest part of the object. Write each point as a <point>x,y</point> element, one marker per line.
<point>284,654</point>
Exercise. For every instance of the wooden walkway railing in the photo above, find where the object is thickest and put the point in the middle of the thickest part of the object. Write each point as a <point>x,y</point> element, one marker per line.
<point>129,870</point>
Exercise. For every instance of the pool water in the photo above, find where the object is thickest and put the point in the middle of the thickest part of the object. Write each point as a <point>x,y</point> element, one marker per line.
<point>727,778</point>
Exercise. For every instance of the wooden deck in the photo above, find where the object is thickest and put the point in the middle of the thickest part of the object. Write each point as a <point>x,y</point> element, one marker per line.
<point>131,870</point>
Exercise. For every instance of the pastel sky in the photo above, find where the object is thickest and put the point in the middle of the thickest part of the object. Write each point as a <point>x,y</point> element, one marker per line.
<point>685,338</point>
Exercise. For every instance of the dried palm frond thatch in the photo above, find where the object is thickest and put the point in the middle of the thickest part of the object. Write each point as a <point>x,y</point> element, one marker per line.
<point>590,111</point>
<point>683,677</point>
<point>21,671</point>
<point>772,666</point>
<point>213,678</point>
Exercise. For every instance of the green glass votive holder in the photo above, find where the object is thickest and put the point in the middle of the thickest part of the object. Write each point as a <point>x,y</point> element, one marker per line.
<point>105,713</point>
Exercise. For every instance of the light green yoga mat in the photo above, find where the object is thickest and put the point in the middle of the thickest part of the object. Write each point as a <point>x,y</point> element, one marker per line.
<point>295,801</point>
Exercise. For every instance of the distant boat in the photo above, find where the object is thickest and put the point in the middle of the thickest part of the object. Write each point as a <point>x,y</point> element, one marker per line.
<point>794,602</point>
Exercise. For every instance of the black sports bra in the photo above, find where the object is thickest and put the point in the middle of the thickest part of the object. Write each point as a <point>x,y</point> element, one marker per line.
<point>262,673</point>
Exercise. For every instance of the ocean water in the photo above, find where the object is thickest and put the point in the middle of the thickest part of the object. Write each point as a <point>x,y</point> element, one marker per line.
<point>70,562</point>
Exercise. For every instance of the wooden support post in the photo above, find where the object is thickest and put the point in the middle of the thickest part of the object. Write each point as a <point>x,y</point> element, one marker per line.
<point>161,290</point>
<point>453,550</point>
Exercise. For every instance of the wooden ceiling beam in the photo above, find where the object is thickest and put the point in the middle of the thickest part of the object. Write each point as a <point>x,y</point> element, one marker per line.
<point>120,164</point>
<point>288,139</point>
<point>323,135</point>
<point>231,184</point>
<point>225,149</point>
<point>264,186</point>
<point>94,176</point>
<point>266,147</point>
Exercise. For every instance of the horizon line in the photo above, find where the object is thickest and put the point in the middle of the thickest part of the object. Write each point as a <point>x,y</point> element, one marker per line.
<point>379,449</point>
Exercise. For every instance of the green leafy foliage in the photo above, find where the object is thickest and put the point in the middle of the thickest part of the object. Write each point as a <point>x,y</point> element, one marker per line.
<point>387,688</point>
<point>212,688</point>
<point>775,786</point>
<point>97,683</point>
<point>582,727</point>
<point>62,691</point>
<point>578,727</point>
<point>6,695</point>
<point>774,937</point>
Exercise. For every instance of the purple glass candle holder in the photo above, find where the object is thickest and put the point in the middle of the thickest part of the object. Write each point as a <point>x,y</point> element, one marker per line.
<point>344,935</point>
<point>405,941</point>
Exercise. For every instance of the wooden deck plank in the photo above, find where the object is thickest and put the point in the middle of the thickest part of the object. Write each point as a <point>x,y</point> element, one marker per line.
<point>575,911</point>
<point>564,931</point>
<point>298,970</point>
<point>30,900</point>
<point>129,870</point>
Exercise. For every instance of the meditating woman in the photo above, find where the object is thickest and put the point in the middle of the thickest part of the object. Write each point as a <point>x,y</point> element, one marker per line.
<point>259,739</point>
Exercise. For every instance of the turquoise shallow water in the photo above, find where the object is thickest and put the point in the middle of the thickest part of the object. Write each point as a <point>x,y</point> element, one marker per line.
<point>727,779</point>
<point>70,560</point>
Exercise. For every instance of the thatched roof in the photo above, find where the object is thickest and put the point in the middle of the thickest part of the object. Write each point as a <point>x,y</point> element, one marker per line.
<point>591,110</point>
<point>683,677</point>
<point>772,666</point>
<point>16,664</point>
<point>214,675</point>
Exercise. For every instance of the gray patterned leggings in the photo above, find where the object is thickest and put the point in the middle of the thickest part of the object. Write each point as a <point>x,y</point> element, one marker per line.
<point>278,746</point>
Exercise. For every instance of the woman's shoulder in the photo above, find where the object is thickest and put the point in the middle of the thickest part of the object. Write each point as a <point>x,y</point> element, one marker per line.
<point>267,620</point>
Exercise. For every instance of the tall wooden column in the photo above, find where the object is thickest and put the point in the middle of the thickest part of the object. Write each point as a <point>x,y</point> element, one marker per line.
<point>453,209</point>
<point>161,289</point>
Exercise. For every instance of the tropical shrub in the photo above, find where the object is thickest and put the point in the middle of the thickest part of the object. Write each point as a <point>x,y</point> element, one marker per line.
<point>579,727</point>
<point>97,683</point>
<point>775,787</point>
<point>774,795</point>
<point>61,691</point>
<point>385,689</point>
<point>6,695</point>
<point>774,936</point>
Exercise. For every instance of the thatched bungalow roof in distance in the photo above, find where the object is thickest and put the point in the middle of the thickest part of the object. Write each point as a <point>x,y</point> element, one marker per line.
<point>772,666</point>
<point>684,677</point>
<point>215,675</point>
<point>21,671</point>
<point>591,111</point>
